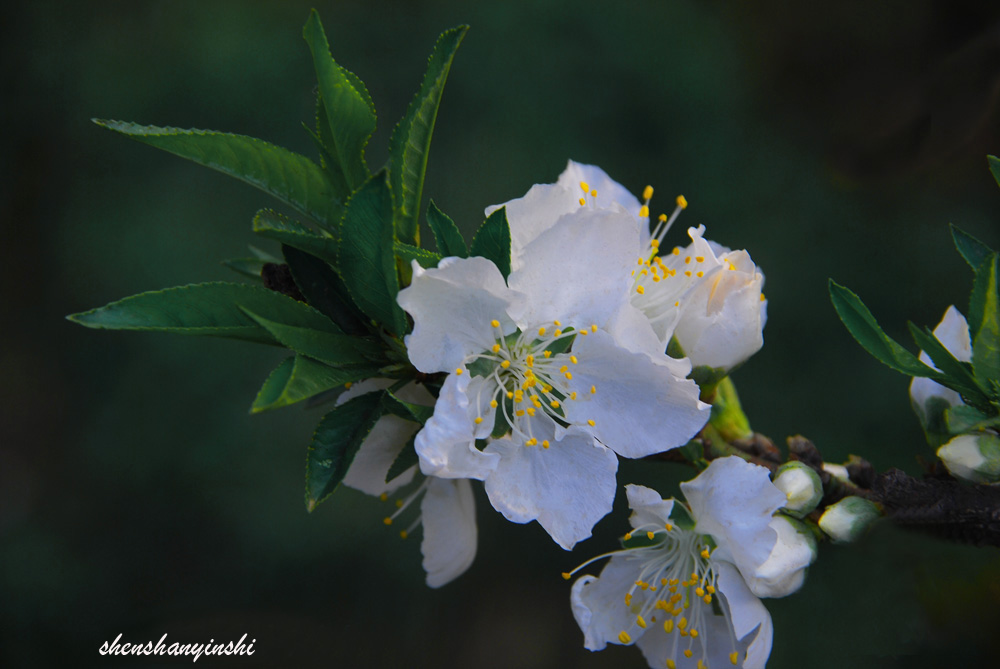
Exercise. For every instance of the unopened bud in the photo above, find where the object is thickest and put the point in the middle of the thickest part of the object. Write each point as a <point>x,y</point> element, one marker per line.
<point>973,457</point>
<point>801,485</point>
<point>848,519</point>
<point>785,568</point>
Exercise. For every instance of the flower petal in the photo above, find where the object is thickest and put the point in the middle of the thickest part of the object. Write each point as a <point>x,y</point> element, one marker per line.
<point>733,501</point>
<point>577,271</point>
<point>448,513</point>
<point>599,607</point>
<point>567,488</point>
<point>641,404</point>
<point>386,440</point>
<point>446,445</point>
<point>953,332</point>
<point>533,214</point>
<point>609,191</point>
<point>452,307</point>
<point>748,614</point>
<point>784,571</point>
<point>648,508</point>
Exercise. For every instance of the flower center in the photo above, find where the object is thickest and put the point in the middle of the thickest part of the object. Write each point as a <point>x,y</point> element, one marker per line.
<point>675,588</point>
<point>526,375</point>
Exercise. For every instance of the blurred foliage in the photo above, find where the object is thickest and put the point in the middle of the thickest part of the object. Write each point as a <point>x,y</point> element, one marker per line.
<point>137,495</point>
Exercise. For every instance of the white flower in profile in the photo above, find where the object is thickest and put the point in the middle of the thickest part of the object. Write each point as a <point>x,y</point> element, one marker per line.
<point>555,364</point>
<point>706,296</point>
<point>447,506</point>
<point>686,597</point>
<point>929,397</point>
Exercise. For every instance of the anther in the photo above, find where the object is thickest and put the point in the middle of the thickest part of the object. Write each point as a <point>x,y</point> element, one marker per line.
<point>458,371</point>
<point>347,386</point>
<point>505,364</point>
<point>590,423</point>
<point>495,323</point>
<point>640,621</point>
<point>582,202</point>
<point>496,348</point>
<point>541,332</point>
<point>387,520</point>
<point>687,652</point>
<point>573,359</point>
<point>650,535</point>
<point>734,657</point>
<point>403,534</point>
<point>647,193</point>
<point>566,575</point>
<point>479,419</point>
<point>493,404</point>
<point>545,444</point>
<point>593,390</point>
<point>584,186</point>
<point>640,290</point>
<point>644,211</point>
<point>682,202</point>
<point>624,637</point>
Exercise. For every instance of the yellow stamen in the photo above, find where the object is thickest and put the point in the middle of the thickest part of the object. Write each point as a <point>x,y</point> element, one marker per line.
<point>479,419</point>
<point>650,535</point>
<point>545,444</point>
<point>640,290</point>
<point>647,193</point>
<point>682,202</point>
<point>584,186</point>
<point>624,637</point>
<point>348,385</point>
<point>566,575</point>
<point>734,657</point>
<point>505,364</point>
<point>458,371</point>
<point>640,621</point>
<point>495,323</point>
<point>387,520</point>
<point>590,423</point>
<point>643,211</point>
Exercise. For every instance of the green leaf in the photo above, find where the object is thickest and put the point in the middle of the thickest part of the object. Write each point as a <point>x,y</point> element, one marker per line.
<point>961,419</point>
<point>994,164</point>
<point>336,350</point>
<point>984,321</point>
<point>299,378</point>
<point>973,251</point>
<point>407,458</point>
<point>492,241</point>
<point>446,234</point>
<point>418,413</point>
<point>249,267</point>
<point>411,138</point>
<point>324,290</point>
<point>865,329</point>
<point>272,225</point>
<point>350,114</point>
<point>207,309</point>
<point>263,255</point>
<point>423,256</point>
<point>366,262</point>
<point>335,443</point>
<point>294,179</point>
<point>957,375</point>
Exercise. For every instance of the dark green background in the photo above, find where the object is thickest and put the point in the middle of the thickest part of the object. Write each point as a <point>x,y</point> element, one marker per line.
<point>137,495</point>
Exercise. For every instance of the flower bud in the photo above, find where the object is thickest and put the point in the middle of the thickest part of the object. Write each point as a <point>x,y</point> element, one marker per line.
<point>722,321</point>
<point>973,457</point>
<point>801,485</point>
<point>838,472</point>
<point>848,519</point>
<point>784,571</point>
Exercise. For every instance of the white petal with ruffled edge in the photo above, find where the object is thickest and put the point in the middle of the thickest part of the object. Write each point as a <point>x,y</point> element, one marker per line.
<point>597,603</point>
<point>448,513</point>
<point>648,508</point>
<point>567,487</point>
<point>784,571</point>
<point>609,191</point>
<point>446,445</point>
<point>642,404</point>
<point>533,214</point>
<point>577,270</point>
<point>733,501</point>
<point>452,307</point>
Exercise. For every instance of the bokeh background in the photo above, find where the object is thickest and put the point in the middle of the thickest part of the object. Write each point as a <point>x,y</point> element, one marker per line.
<point>137,496</point>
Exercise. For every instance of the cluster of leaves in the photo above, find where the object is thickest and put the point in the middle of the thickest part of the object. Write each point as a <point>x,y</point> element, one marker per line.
<point>346,254</point>
<point>977,381</point>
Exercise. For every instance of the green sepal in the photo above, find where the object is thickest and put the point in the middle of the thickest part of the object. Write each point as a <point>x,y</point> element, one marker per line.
<point>300,378</point>
<point>366,262</point>
<point>971,249</point>
<point>272,225</point>
<point>248,267</point>
<point>408,253</point>
<point>349,112</point>
<point>336,350</point>
<point>708,379</point>
<point>292,178</point>
<point>956,374</point>
<point>407,458</point>
<point>984,320</point>
<point>727,414</point>
<point>866,331</point>
<point>323,289</point>
<point>492,241</point>
<point>411,138</point>
<point>207,309</point>
<point>336,441</point>
<point>447,236</point>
